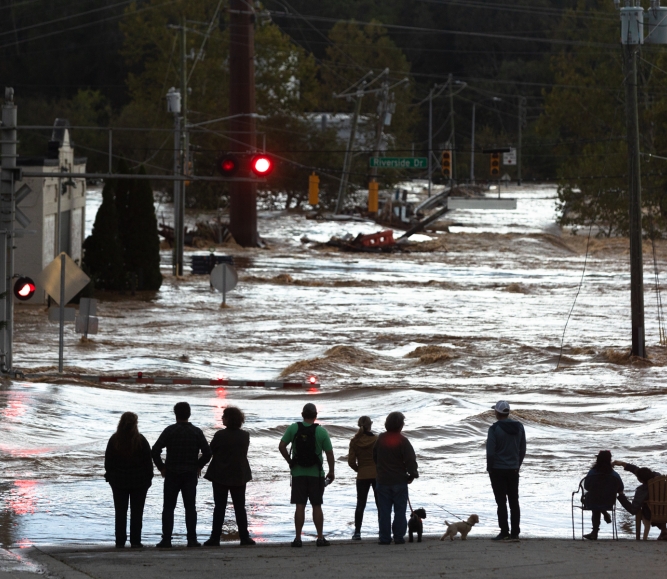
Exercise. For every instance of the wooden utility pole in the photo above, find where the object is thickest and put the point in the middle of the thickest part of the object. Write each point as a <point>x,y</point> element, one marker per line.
<point>635,197</point>
<point>243,196</point>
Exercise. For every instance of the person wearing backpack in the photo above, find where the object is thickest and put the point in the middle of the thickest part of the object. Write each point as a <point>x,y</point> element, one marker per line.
<point>308,440</point>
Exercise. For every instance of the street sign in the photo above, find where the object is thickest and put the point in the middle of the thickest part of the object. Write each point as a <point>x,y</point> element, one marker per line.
<point>86,321</point>
<point>75,279</point>
<point>224,278</point>
<point>509,158</point>
<point>69,314</point>
<point>399,162</point>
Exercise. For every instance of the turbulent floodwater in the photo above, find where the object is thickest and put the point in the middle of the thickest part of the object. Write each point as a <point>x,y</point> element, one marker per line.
<point>439,335</point>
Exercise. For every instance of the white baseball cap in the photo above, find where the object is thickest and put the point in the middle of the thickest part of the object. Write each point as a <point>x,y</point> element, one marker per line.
<point>502,407</point>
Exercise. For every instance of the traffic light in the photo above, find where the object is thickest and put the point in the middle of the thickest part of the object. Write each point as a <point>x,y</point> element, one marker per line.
<point>24,288</point>
<point>228,165</point>
<point>313,189</point>
<point>373,196</point>
<point>446,163</point>
<point>495,164</point>
<point>261,165</point>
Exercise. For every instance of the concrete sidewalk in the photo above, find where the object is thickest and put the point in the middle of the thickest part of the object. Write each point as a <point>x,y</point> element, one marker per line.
<point>475,558</point>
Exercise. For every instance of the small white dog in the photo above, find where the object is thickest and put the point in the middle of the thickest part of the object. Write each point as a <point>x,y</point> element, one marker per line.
<point>464,527</point>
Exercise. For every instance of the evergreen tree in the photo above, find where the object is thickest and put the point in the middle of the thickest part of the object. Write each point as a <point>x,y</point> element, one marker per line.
<point>141,241</point>
<point>122,192</point>
<point>103,252</point>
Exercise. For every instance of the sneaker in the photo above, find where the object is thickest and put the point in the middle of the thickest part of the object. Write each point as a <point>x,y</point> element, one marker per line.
<point>212,543</point>
<point>164,544</point>
<point>592,536</point>
<point>607,517</point>
<point>297,543</point>
<point>247,541</point>
<point>356,536</point>
<point>322,542</point>
<point>192,544</point>
<point>137,545</point>
<point>501,537</point>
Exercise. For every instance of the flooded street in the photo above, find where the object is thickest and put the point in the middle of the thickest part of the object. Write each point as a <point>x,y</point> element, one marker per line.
<point>439,335</point>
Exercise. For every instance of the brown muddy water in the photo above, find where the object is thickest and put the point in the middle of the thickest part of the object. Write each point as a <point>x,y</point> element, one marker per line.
<point>439,335</point>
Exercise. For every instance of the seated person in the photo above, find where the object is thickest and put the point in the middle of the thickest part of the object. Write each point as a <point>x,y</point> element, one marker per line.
<point>639,502</point>
<point>602,484</point>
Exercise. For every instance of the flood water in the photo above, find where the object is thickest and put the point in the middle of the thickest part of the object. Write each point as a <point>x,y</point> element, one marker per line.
<point>439,335</point>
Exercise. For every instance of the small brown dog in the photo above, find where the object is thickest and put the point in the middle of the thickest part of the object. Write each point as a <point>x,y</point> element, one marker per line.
<point>415,524</point>
<point>464,527</point>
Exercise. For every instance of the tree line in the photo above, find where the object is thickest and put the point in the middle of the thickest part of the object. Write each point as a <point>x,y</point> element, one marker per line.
<point>109,63</point>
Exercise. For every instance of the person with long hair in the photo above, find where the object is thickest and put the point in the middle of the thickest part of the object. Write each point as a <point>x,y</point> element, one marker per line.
<point>602,484</point>
<point>229,472</point>
<point>360,459</point>
<point>129,471</point>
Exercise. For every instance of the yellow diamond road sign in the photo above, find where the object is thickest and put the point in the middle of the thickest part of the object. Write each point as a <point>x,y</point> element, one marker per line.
<point>75,279</point>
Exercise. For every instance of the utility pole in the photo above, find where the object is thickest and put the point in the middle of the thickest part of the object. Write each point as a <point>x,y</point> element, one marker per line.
<point>179,239</point>
<point>430,139</point>
<point>635,194</point>
<point>342,188</point>
<point>10,174</point>
<point>472,147</point>
<point>522,112</point>
<point>452,140</point>
<point>243,195</point>
<point>174,107</point>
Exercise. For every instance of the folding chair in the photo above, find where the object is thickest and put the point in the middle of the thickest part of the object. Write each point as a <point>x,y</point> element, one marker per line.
<point>599,498</point>
<point>657,504</point>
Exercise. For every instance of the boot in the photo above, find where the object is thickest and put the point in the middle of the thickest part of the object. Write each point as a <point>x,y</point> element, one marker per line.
<point>592,536</point>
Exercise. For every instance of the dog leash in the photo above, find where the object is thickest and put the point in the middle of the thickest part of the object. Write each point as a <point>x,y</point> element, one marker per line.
<point>410,505</point>
<point>453,515</point>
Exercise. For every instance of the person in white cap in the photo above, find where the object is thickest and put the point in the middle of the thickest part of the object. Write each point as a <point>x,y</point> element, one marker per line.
<point>505,451</point>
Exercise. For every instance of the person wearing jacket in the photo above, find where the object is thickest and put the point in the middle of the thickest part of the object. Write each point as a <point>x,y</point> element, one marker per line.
<point>639,501</point>
<point>505,451</point>
<point>183,441</point>
<point>129,472</point>
<point>229,472</point>
<point>396,469</point>
<point>602,484</point>
<point>360,459</point>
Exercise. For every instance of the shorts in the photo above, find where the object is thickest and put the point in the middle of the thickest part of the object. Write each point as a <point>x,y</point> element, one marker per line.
<point>307,488</point>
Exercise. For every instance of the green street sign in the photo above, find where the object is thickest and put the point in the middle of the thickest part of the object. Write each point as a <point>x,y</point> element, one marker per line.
<point>399,162</point>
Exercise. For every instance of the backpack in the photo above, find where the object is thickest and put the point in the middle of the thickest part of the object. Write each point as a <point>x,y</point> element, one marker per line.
<point>303,446</point>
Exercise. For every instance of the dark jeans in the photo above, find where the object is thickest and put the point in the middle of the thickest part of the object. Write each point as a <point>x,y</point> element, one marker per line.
<point>136,499</point>
<point>220,493</point>
<point>186,484</point>
<point>505,484</point>
<point>363,486</point>
<point>389,496</point>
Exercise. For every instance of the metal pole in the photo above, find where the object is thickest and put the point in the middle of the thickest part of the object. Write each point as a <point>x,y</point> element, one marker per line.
<point>522,102</point>
<point>224,284</point>
<point>178,228</point>
<point>180,243</point>
<point>634,188</point>
<point>453,138</point>
<point>342,189</point>
<point>379,128</point>
<point>61,304</point>
<point>110,150</point>
<point>472,148</point>
<point>7,214</point>
<point>430,140</point>
<point>58,222</point>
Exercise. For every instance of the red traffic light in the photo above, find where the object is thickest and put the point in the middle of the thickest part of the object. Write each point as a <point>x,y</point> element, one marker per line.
<point>24,289</point>
<point>228,165</point>
<point>261,165</point>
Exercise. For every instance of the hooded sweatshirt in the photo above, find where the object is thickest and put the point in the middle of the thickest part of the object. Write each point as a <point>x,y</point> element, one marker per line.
<point>505,445</point>
<point>361,455</point>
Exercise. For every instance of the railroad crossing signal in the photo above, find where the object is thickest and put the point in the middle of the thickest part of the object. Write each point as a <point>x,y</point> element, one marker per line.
<point>313,189</point>
<point>24,288</point>
<point>495,164</point>
<point>446,163</point>
<point>373,187</point>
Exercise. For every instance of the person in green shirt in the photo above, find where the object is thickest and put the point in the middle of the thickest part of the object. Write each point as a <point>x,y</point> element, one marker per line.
<point>308,440</point>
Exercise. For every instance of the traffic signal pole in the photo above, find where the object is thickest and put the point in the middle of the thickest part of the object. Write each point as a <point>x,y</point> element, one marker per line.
<point>635,193</point>
<point>7,212</point>
<point>243,195</point>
